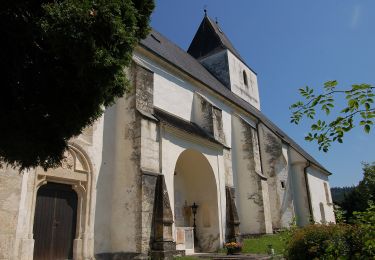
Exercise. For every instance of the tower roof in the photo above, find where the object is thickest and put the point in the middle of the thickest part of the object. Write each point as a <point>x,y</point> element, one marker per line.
<point>210,39</point>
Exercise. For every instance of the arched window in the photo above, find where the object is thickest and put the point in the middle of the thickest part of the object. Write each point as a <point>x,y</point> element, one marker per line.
<point>327,193</point>
<point>244,78</point>
<point>322,213</point>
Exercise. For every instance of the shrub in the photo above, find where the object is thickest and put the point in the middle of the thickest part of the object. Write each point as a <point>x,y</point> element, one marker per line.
<point>365,237</point>
<point>318,242</point>
<point>340,241</point>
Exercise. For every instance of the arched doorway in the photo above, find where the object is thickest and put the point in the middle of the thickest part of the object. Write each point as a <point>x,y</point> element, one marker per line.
<point>75,174</point>
<point>194,182</point>
<point>55,222</point>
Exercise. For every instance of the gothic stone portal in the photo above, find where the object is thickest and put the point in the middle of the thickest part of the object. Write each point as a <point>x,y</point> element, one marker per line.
<point>55,222</point>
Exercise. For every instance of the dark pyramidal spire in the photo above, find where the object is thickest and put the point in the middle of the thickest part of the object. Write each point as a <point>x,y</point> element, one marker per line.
<point>210,39</point>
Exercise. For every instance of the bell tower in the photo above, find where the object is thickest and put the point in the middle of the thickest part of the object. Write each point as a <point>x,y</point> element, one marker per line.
<point>212,48</point>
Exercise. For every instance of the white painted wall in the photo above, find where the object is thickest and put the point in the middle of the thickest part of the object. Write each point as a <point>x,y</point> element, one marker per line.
<point>250,93</point>
<point>316,180</point>
<point>251,192</point>
<point>285,194</point>
<point>275,167</point>
<point>174,93</point>
<point>118,185</point>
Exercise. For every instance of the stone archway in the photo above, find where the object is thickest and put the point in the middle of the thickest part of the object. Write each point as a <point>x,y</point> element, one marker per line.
<point>194,182</point>
<point>75,171</point>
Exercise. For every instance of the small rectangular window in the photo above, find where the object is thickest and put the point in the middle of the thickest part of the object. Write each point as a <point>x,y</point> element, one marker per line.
<point>282,184</point>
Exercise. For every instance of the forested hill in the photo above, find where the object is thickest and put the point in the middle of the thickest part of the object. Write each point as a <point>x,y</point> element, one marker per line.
<point>338,193</point>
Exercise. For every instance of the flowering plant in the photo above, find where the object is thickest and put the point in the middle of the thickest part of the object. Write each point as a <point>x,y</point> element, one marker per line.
<point>232,245</point>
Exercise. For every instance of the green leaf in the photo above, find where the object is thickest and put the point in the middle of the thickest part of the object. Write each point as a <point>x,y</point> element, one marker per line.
<point>330,84</point>
<point>345,110</point>
<point>316,100</point>
<point>352,103</point>
<point>367,128</point>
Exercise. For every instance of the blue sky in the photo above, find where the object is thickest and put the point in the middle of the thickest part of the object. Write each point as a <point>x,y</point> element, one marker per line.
<point>291,44</point>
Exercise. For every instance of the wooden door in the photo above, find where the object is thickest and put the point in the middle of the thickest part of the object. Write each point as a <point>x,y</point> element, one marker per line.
<point>55,222</point>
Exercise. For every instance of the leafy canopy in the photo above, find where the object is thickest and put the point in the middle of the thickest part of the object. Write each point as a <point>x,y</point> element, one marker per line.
<point>359,110</point>
<point>61,63</point>
<point>361,197</point>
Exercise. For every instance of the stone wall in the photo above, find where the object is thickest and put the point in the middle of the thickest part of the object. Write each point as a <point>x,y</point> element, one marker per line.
<point>252,197</point>
<point>10,196</point>
<point>275,168</point>
<point>208,117</point>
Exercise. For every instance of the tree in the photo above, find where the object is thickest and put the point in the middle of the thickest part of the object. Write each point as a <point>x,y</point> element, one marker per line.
<point>62,63</point>
<point>358,110</point>
<point>363,195</point>
<point>338,193</point>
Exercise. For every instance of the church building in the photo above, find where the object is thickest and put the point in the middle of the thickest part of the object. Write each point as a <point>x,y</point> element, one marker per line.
<point>183,163</point>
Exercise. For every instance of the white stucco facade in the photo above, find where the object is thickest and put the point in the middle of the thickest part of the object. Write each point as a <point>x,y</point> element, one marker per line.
<point>321,201</point>
<point>172,141</point>
<point>244,81</point>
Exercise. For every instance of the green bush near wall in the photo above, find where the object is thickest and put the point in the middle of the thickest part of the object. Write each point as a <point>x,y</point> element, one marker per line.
<point>340,241</point>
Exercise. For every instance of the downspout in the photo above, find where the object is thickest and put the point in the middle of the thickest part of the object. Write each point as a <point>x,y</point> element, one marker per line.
<point>311,218</point>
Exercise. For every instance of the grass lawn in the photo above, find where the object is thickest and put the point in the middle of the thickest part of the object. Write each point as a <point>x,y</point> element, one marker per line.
<point>259,245</point>
<point>256,245</point>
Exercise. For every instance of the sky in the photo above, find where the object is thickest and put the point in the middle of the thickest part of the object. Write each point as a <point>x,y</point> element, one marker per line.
<point>292,44</point>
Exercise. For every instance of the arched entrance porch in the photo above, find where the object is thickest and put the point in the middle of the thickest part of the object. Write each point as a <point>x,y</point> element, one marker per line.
<point>194,182</point>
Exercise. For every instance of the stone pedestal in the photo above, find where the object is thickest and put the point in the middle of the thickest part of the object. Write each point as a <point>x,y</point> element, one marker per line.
<point>233,222</point>
<point>163,246</point>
